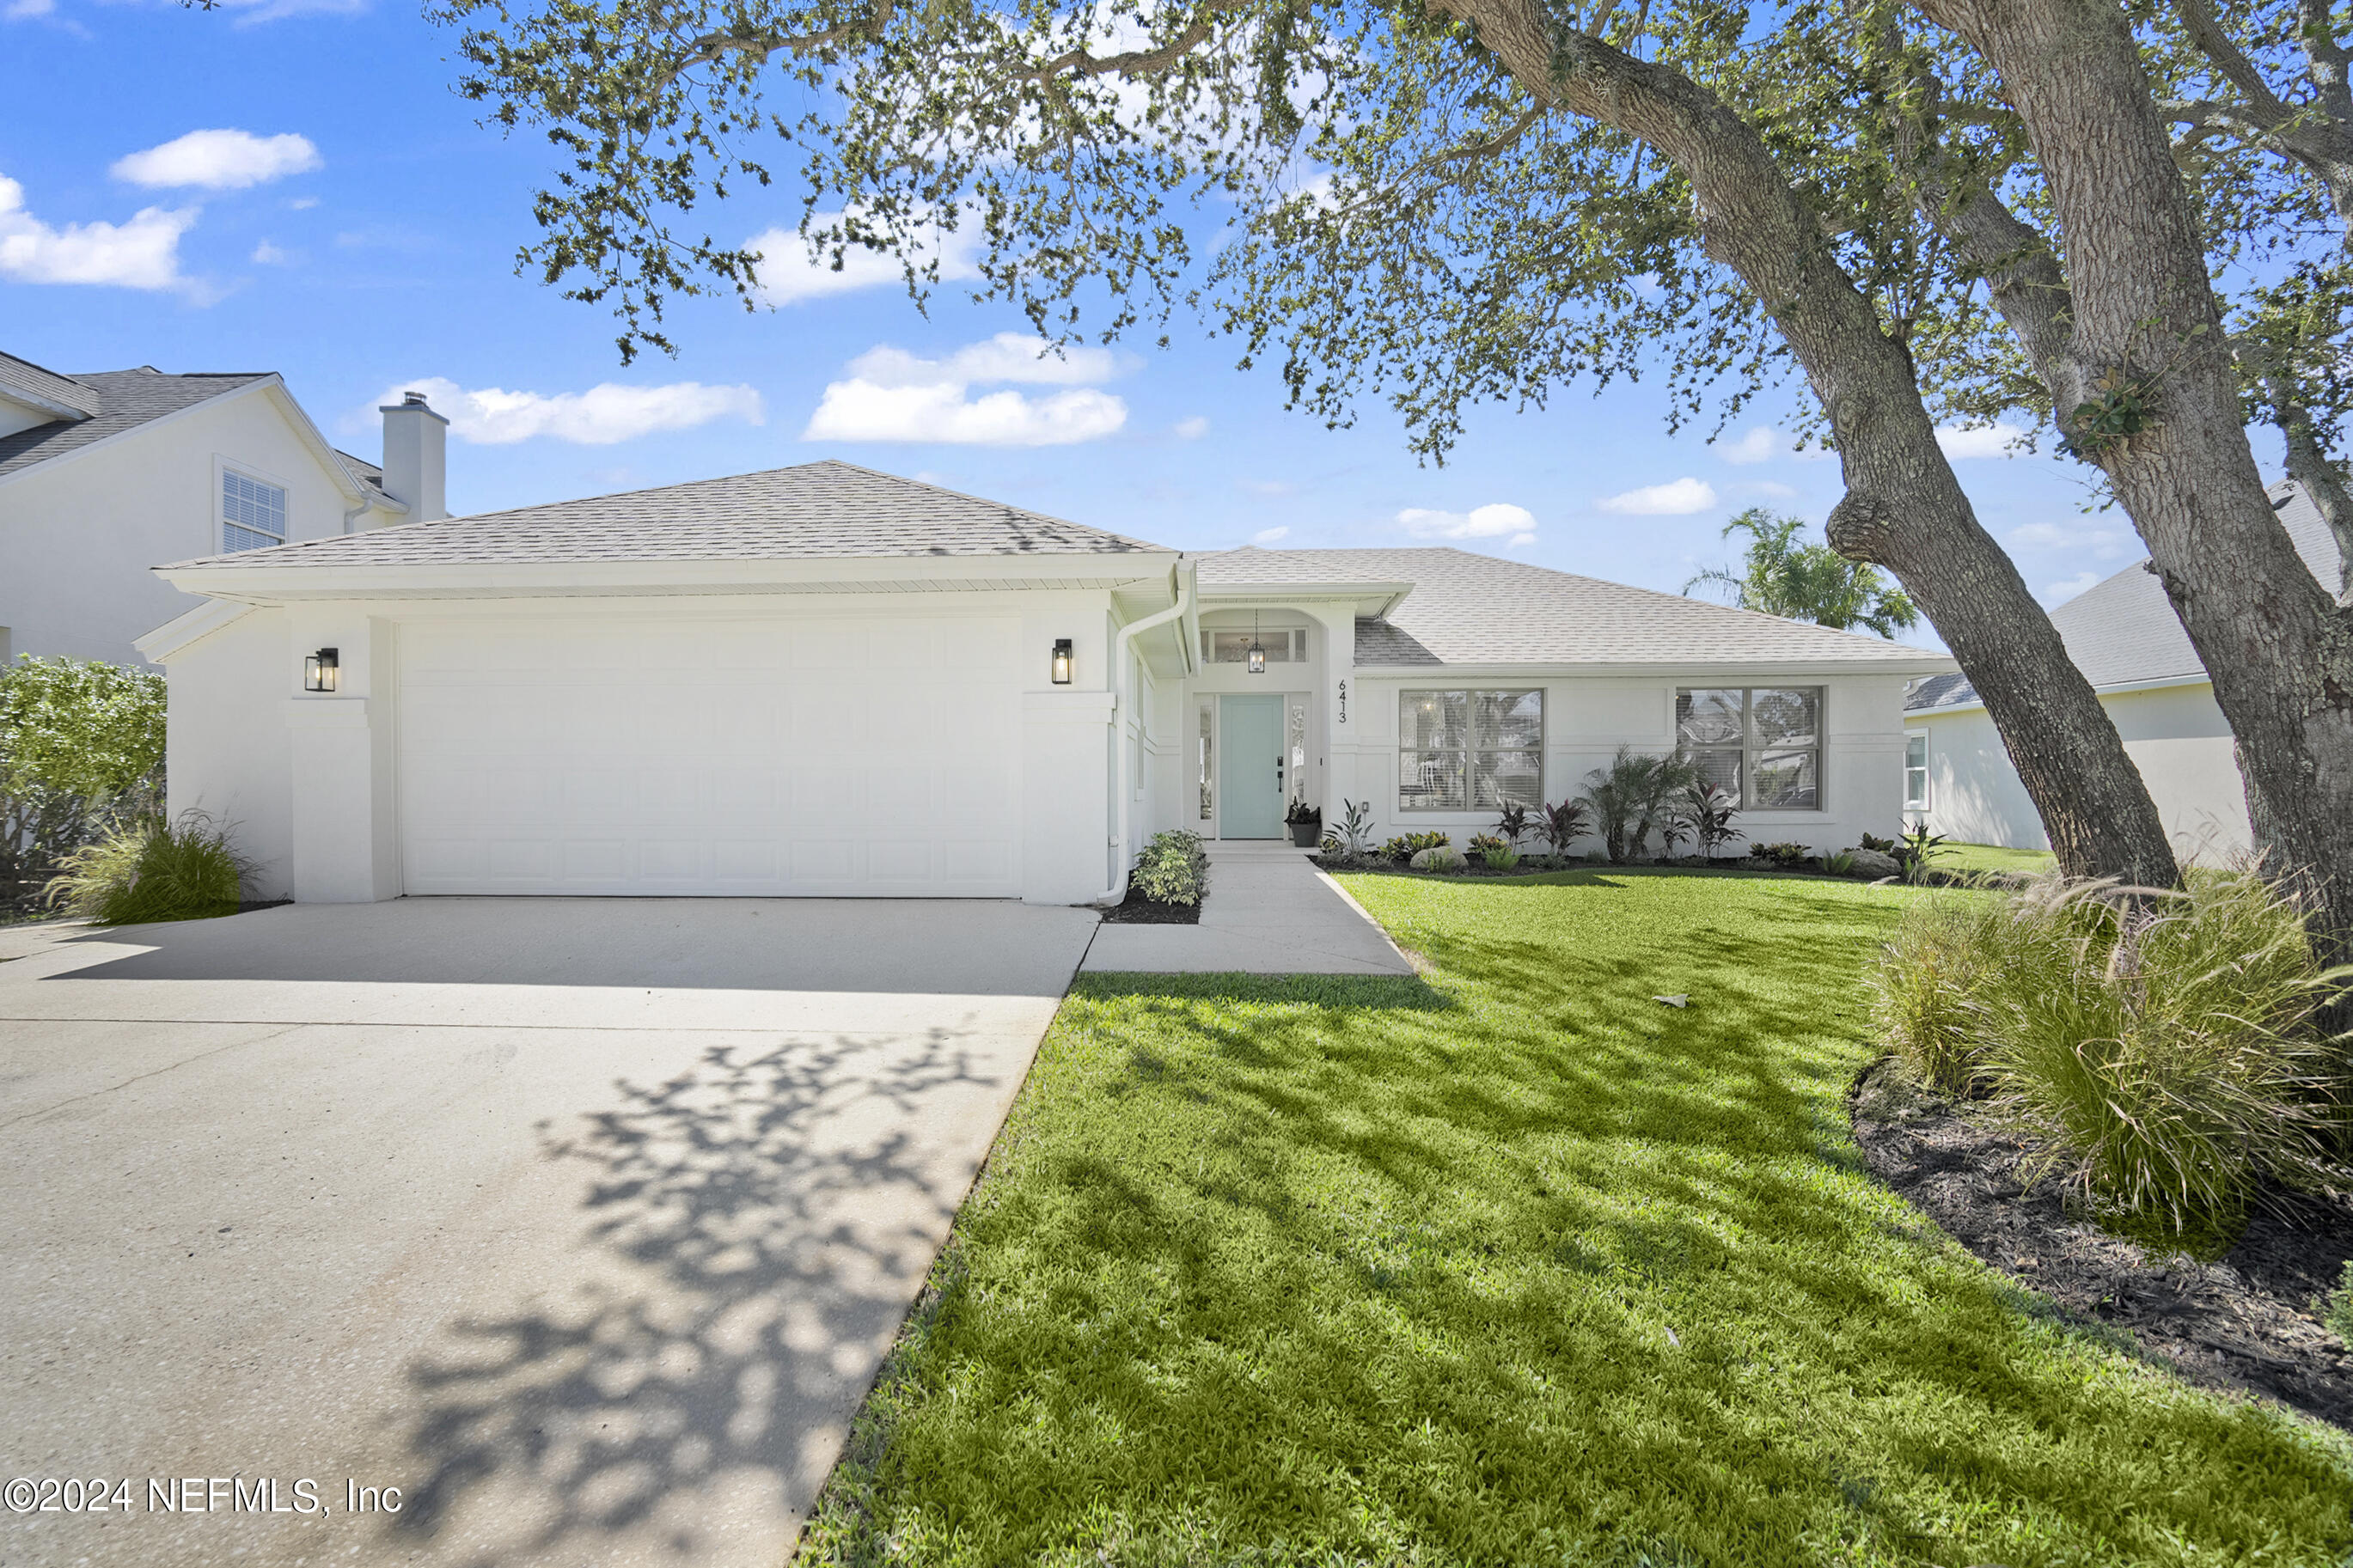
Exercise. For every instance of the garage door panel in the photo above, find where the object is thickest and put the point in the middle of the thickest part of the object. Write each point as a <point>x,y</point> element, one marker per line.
<point>824,756</point>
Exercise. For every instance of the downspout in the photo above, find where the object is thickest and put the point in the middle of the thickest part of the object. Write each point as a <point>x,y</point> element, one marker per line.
<point>1183,574</point>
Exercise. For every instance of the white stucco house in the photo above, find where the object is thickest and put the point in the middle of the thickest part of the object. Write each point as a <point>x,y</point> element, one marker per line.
<point>102,475</point>
<point>827,681</point>
<point>2124,635</point>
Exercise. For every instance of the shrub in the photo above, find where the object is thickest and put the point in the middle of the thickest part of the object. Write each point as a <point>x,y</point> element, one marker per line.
<point>81,754</point>
<point>2162,1045</point>
<point>1563,823</point>
<point>1515,822</point>
<point>1501,858</point>
<point>1925,985</point>
<point>1707,814</point>
<point>1173,868</point>
<point>1841,864</point>
<point>1482,842</point>
<point>1786,856</point>
<point>1405,845</point>
<point>1634,795</point>
<point>1355,826</point>
<point>2338,1313</point>
<point>1919,850</point>
<point>152,871</point>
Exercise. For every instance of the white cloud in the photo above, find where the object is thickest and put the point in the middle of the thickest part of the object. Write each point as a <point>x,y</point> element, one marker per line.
<point>220,161</point>
<point>2056,592</point>
<point>268,255</point>
<point>1266,536</point>
<point>1760,445</point>
<point>788,274</point>
<point>144,253</point>
<point>1676,498</point>
<point>26,10</point>
<point>493,416</point>
<point>1192,429</point>
<point>1984,441</point>
<point>894,395</point>
<point>1496,519</point>
<point>302,203</point>
<point>1518,540</point>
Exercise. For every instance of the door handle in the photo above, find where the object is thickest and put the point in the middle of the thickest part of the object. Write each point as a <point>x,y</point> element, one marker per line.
<point>1278,776</point>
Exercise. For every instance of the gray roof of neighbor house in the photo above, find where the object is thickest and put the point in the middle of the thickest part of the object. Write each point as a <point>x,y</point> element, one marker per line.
<point>123,400</point>
<point>1467,609</point>
<point>822,509</point>
<point>2123,631</point>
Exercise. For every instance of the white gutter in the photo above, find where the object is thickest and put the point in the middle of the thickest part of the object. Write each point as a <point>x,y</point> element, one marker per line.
<point>1183,574</point>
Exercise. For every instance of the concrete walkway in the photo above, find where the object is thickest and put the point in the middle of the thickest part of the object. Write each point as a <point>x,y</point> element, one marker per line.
<point>582,1222</point>
<point>1270,911</point>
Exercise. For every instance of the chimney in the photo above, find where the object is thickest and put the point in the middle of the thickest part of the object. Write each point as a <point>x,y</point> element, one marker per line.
<point>416,470</point>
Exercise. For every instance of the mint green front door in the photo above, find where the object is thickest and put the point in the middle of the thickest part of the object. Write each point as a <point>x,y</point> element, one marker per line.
<point>1249,776</point>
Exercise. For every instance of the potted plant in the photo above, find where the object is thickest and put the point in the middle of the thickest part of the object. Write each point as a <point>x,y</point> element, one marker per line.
<point>1307,824</point>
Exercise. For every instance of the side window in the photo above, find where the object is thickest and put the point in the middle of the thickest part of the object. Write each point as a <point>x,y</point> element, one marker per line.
<point>253,514</point>
<point>1916,771</point>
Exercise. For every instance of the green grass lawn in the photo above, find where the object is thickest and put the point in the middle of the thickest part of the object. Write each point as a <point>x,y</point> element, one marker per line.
<point>1519,1266</point>
<point>1992,858</point>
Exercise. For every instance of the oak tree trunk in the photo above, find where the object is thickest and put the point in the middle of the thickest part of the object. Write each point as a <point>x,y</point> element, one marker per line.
<point>2143,318</point>
<point>1904,510</point>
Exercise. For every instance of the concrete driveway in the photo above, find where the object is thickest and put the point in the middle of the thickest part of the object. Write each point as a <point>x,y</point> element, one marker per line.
<point>582,1222</point>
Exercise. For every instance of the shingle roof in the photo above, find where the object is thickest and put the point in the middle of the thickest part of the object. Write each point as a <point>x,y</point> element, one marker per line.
<point>2123,631</point>
<point>47,387</point>
<point>1467,609</point>
<point>823,508</point>
<point>126,399</point>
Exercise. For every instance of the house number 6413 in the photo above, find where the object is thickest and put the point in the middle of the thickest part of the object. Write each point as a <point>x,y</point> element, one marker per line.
<point>1343,702</point>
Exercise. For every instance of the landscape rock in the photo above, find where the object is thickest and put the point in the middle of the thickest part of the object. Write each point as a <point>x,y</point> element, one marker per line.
<point>1445,857</point>
<point>1871,863</point>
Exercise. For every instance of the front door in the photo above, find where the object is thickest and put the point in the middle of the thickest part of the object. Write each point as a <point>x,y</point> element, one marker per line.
<point>1250,778</point>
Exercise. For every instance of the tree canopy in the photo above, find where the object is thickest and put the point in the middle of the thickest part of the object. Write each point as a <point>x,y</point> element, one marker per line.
<point>1781,574</point>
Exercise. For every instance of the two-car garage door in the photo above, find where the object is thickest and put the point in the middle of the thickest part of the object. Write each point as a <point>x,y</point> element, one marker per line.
<point>807,754</point>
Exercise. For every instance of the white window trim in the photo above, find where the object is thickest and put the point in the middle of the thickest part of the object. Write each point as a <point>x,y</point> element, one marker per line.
<point>1822,747</point>
<point>223,465</point>
<point>1926,803</point>
<point>1543,749</point>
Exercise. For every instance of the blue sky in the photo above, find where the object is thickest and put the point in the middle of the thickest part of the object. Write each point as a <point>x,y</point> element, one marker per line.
<point>357,233</point>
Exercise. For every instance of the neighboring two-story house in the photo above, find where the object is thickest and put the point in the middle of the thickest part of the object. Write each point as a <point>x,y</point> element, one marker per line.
<point>105,475</point>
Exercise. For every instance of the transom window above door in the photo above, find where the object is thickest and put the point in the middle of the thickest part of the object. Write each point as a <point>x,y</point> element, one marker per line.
<point>1760,745</point>
<point>1282,647</point>
<point>253,514</point>
<point>1470,751</point>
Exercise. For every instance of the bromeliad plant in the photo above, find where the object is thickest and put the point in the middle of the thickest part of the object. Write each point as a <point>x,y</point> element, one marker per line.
<point>1405,845</point>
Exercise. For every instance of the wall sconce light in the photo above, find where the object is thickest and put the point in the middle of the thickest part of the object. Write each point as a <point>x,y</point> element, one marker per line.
<point>1257,649</point>
<point>319,670</point>
<point>1060,666</point>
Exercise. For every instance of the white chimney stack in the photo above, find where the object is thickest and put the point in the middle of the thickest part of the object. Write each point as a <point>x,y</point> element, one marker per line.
<point>416,463</point>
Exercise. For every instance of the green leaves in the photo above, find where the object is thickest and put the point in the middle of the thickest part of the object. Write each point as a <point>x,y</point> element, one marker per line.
<point>1803,582</point>
<point>81,728</point>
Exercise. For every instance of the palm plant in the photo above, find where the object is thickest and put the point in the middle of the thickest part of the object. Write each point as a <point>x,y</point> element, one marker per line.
<point>1705,812</point>
<point>1634,796</point>
<point>1804,582</point>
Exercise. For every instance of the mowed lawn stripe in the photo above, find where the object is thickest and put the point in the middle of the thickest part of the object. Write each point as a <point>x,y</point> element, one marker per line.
<point>1520,1264</point>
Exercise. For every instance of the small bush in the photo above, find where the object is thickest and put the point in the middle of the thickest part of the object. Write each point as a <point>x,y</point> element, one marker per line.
<point>1502,858</point>
<point>1405,845</point>
<point>1925,985</point>
<point>1173,868</point>
<point>1841,864</point>
<point>2160,1044</point>
<point>1481,843</point>
<point>152,871</point>
<point>1784,855</point>
<point>2338,1313</point>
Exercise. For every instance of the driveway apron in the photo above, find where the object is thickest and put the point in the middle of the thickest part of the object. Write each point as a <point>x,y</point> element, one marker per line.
<point>476,1231</point>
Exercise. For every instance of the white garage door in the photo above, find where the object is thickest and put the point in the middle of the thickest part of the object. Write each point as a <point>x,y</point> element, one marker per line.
<point>804,754</point>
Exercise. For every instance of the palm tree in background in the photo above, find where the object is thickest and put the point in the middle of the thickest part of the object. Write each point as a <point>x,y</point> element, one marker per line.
<point>1783,575</point>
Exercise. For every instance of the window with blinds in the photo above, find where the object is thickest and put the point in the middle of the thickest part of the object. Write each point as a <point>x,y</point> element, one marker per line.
<point>253,514</point>
<point>1470,751</point>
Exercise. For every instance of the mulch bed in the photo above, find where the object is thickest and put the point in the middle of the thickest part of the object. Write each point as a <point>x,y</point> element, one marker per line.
<point>2248,1322</point>
<point>1136,910</point>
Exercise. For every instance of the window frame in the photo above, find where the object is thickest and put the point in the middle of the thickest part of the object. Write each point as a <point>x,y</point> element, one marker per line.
<point>1292,647</point>
<point>1470,748</point>
<point>224,469</point>
<point>1750,748</point>
<point>1926,800</point>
